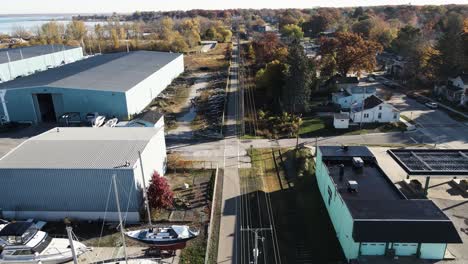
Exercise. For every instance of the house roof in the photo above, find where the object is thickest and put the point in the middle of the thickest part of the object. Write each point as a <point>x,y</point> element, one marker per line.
<point>454,88</point>
<point>372,101</point>
<point>29,52</point>
<point>379,210</point>
<point>368,89</point>
<point>15,228</point>
<point>81,148</point>
<point>463,76</point>
<point>117,72</point>
<point>341,115</point>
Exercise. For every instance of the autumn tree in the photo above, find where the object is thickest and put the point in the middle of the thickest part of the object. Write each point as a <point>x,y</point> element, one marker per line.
<point>266,47</point>
<point>20,32</point>
<point>52,32</point>
<point>408,41</point>
<point>76,30</point>
<point>115,38</point>
<point>350,52</point>
<point>160,194</point>
<point>269,83</point>
<point>190,29</point>
<point>292,32</point>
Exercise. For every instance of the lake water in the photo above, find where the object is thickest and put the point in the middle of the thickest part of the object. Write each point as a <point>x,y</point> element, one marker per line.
<point>31,22</point>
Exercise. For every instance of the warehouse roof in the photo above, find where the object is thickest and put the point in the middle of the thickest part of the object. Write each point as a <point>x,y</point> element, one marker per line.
<point>29,52</point>
<point>81,148</point>
<point>108,72</point>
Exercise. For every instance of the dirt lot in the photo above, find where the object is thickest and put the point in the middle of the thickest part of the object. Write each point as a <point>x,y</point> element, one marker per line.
<point>209,61</point>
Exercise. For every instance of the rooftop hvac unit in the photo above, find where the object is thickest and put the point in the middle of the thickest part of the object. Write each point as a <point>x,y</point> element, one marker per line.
<point>358,162</point>
<point>352,186</point>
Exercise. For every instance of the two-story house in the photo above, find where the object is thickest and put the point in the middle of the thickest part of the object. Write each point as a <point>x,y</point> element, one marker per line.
<point>455,90</point>
<point>374,110</point>
<point>352,94</point>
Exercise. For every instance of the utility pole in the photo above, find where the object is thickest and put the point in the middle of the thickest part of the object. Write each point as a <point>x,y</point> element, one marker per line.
<point>256,251</point>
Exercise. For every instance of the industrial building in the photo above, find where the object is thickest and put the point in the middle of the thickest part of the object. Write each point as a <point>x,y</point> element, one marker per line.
<point>115,85</point>
<point>67,172</point>
<point>20,62</point>
<point>371,217</point>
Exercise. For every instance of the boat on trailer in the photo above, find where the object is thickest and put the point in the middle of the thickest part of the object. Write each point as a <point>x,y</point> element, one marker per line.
<point>164,236</point>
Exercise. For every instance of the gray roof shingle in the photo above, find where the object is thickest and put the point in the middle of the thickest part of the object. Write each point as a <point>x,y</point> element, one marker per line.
<point>117,72</point>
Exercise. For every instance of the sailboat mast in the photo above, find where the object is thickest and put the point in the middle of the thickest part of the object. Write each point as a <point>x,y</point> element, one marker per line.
<point>120,218</point>
<point>145,194</point>
<point>72,246</point>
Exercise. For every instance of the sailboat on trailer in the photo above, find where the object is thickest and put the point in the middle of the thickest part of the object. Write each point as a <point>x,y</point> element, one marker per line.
<point>174,236</point>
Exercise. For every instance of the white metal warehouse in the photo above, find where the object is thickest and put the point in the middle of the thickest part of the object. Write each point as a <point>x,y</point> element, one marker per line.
<point>67,172</point>
<point>116,85</point>
<point>28,60</point>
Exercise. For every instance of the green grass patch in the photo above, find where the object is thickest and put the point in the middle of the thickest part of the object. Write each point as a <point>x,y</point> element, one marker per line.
<point>311,125</point>
<point>194,253</point>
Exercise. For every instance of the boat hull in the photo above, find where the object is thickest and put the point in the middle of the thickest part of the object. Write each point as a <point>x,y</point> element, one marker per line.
<point>163,243</point>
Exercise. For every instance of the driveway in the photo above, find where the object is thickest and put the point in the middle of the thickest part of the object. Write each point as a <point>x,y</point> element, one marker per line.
<point>434,123</point>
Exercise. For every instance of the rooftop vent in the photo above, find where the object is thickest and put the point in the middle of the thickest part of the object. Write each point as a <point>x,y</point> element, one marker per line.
<point>341,172</point>
<point>344,147</point>
<point>352,186</point>
<point>358,162</point>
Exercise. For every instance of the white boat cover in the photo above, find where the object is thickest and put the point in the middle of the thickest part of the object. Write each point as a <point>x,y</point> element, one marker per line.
<point>182,231</point>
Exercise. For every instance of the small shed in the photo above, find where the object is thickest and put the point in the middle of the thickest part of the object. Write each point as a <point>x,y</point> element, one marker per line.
<point>341,120</point>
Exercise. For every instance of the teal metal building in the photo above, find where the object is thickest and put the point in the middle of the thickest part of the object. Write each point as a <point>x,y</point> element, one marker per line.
<point>371,217</point>
<point>116,85</point>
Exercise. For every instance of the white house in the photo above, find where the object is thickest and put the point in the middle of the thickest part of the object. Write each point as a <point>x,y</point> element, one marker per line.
<point>352,95</point>
<point>456,89</point>
<point>374,110</point>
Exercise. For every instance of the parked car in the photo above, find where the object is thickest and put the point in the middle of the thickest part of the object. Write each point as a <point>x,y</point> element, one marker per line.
<point>432,105</point>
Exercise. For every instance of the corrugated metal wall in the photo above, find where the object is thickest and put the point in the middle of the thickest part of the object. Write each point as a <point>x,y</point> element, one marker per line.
<point>9,71</point>
<point>21,107</point>
<point>143,93</point>
<point>66,190</point>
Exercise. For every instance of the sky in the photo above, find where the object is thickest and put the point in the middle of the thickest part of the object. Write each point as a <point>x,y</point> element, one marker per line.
<point>128,6</point>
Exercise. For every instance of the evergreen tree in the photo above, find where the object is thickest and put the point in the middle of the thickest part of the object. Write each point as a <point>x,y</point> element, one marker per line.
<point>299,77</point>
<point>450,46</point>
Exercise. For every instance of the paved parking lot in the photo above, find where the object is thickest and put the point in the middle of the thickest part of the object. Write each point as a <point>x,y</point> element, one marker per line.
<point>433,123</point>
